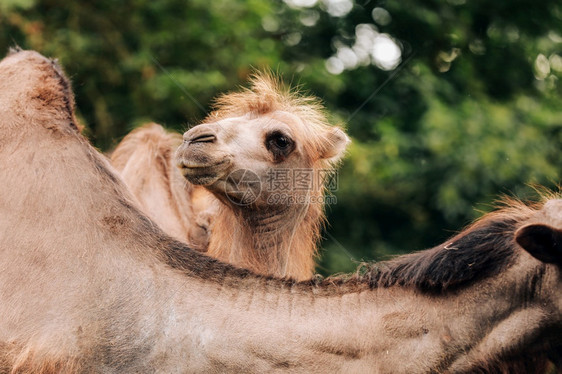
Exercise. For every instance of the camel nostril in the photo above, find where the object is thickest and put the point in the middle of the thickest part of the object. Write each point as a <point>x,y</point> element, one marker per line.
<point>204,138</point>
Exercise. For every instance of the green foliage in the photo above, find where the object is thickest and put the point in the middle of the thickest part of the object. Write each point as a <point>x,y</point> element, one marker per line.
<point>470,113</point>
<point>131,61</point>
<point>8,5</point>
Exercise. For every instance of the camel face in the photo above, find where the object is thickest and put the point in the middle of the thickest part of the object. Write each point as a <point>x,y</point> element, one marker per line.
<point>237,157</point>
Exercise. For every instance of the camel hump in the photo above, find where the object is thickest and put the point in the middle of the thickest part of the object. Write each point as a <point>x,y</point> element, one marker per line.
<point>156,135</point>
<point>36,90</point>
<point>144,145</point>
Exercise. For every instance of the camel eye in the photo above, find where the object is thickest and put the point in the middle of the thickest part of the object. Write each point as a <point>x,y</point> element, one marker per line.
<point>279,144</point>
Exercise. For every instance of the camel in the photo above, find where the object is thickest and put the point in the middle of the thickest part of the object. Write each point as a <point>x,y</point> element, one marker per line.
<point>277,232</point>
<point>144,159</point>
<point>89,284</point>
<point>264,153</point>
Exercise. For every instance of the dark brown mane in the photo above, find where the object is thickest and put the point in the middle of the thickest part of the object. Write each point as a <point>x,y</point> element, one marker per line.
<point>482,249</point>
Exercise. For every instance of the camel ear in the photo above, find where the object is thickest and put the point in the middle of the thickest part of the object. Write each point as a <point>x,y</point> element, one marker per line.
<point>335,144</point>
<point>542,241</point>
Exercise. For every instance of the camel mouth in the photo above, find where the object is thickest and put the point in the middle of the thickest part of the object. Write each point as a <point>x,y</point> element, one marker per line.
<point>200,164</point>
<point>195,165</point>
<point>203,174</point>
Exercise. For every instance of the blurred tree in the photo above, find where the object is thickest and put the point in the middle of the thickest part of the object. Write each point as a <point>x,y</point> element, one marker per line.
<point>138,60</point>
<point>449,102</point>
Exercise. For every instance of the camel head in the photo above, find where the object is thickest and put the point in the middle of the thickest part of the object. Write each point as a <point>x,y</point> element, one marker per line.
<point>262,147</point>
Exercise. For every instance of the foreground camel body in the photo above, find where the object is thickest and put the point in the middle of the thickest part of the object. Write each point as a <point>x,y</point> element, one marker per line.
<point>144,159</point>
<point>265,154</point>
<point>89,284</point>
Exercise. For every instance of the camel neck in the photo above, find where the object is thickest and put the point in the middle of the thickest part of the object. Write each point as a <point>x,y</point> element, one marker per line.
<point>371,330</point>
<point>282,238</point>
